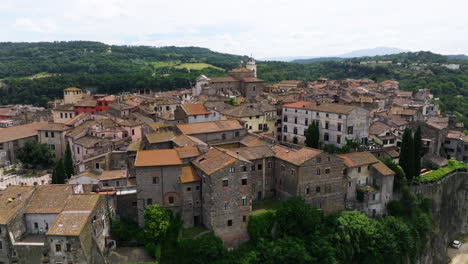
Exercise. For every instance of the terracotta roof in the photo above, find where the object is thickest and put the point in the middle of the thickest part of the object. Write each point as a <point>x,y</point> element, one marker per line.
<point>392,152</point>
<point>49,199</point>
<point>7,111</point>
<point>209,127</point>
<point>249,110</point>
<point>12,199</point>
<point>187,152</point>
<point>157,157</point>
<point>378,128</point>
<point>54,127</point>
<point>121,106</point>
<point>91,141</point>
<point>252,141</point>
<point>132,103</point>
<point>184,140</point>
<point>296,157</point>
<point>253,153</point>
<point>218,106</point>
<point>195,109</point>
<point>355,159</point>
<point>325,107</point>
<point>69,224</point>
<point>160,136</point>
<point>251,79</point>
<point>113,174</point>
<point>70,89</point>
<point>65,107</point>
<point>23,131</point>
<point>87,103</point>
<point>383,169</point>
<point>215,159</point>
<point>81,202</point>
<point>157,125</point>
<point>189,174</point>
<point>222,79</point>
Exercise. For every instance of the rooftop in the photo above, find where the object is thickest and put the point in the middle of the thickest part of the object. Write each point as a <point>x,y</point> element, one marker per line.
<point>325,107</point>
<point>189,174</point>
<point>81,202</point>
<point>296,157</point>
<point>157,157</point>
<point>214,160</point>
<point>49,199</point>
<point>23,131</point>
<point>195,109</point>
<point>355,159</point>
<point>68,224</point>
<point>383,169</point>
<point>113,174</point>
<point>11,199</point>
<point>209,127</point>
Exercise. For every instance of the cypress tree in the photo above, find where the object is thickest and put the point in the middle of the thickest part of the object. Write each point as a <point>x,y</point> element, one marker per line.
<point>418,152</point>
<point>312,135</point>
<point>58,175</point>
<point>68,162</point>
<point>407,155</point>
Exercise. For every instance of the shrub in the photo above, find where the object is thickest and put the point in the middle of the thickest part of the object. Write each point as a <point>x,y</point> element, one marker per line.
<point>261,225</point>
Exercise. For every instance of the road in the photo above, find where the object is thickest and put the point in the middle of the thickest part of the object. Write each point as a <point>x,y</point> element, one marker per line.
<point>459,256</point>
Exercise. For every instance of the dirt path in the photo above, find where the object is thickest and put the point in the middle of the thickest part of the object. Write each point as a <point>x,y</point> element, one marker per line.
<point>459,256</point>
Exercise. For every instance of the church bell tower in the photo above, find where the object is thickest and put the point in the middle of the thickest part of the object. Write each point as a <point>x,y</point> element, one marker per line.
<point>252,66</point>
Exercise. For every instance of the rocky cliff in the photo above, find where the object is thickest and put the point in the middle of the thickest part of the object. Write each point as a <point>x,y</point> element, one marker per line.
<point>449,213</point>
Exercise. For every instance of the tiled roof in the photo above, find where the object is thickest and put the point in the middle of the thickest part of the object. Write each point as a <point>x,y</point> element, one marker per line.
<point>355,159</point>
<point>189,174</point>
<point>296,157</point>
<point>68,224</point>
<point>218,106</point>
<point>53,127</point>
<point>222,79</point>
<point>90,141</point>
<point>253,153</point>
<point>184,140</point>
<point>81,202</point>
<point>214,160</point>
<point>325,107</point>
<point>383,169</point>
<point>121,106</point>
<point>209,127</point>
<point>12,199</point>
<point>113,174</point>
<point>160,136</point>
<point>65,107</point>
<point>195,109</point>
<point>157,157</point>
<point>17,132</point>
<point>378,128</point>
<point>87,103</point>
<point>49,199</point>
<point>187,152</point>
<point>252,141</point>
<point>70,89</point>
<point>251,79</point>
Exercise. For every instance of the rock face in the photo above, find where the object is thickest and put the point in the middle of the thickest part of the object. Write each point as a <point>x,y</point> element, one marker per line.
<point>449,213</point>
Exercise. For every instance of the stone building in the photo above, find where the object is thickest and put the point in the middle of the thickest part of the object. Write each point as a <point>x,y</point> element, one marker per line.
<point>241,81</point>
<point>63,113</point>
<point>256,117</point>
<point>72,95</point>
<point>53,134</point>
<point>194,113</point>
<point>456,146</point>
<point>337,123</point>
<point>214,133</point>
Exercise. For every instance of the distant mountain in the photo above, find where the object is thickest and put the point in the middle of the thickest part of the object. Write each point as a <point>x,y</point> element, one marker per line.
<point>318,59</point>
<point>379,51</point>
<point>458,57</point>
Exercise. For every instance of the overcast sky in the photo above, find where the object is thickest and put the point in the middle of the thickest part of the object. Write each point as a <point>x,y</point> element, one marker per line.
<point>264,28</point>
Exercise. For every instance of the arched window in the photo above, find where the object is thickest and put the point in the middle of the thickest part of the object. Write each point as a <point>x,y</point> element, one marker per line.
<point>295,140</point>
<point>285,129</point>
<point>295,131</point>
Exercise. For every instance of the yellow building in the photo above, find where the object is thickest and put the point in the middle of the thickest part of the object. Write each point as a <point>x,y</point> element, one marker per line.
<point>256,117</point>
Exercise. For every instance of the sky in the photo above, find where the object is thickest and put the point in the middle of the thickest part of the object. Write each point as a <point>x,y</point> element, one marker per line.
<point>273,28</point>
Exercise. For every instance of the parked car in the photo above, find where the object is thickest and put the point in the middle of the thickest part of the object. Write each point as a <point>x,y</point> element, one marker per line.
<point>456,244</point>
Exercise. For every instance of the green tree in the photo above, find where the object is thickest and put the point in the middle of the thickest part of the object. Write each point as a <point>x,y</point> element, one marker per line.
<point>313,135</point>
<point>68,162</point>
<point>288,250</point>
<point>58,174</point>
<point>407,155</point>
<point>157,222</point>
<point>207,249</point>
<point>418,152</point>
<point>399,181</point>
<point>36,155</point>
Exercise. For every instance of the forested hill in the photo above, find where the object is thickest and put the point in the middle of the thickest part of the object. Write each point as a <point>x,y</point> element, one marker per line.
<point>34,73</point>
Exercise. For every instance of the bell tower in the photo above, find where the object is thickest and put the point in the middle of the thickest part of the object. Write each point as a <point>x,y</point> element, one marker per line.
<point>251,65</point>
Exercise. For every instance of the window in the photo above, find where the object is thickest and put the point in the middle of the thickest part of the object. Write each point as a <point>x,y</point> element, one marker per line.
<point>236,134</point>
<point>68,247</point>
<point>52,146</point>
<point>244,181</point>
<point>58,248</point>
<point>327,171</point>
<point>327,115</point>
<point>46,134</point>
<point>61,115</point>
<point>260,126</point>
<point>269,165</point>
<point>244,201</point>
<point>285,129</point>
<point>295,131</point>
<point>36,225</point>
<point>226,206</point>
<point>52,134</point>
<point>295,120</point>
<point>232,170</point>
<point>167,108</point>
<point>339,116</point>
<point>317,114</point>
<point>327,125</point>
<point>349,183</point>
<point>295,140</point>
<point>225,183</point>
<point>317,189</point>
<point>350,130</point>
<point>98,166</point>
<point>229,223</point>
<point>170,200</point>
<point>117,183</point>
<point>133,132</point>
<point>1,245</point>
<point>373,196</point>
<point>257,117</point>
<point>189,189</point>
<point>293,172</point>
<point>149,201</point>
<point>155,179</point>
<point>326,137</point>
<point>338,139</point>
<point>339,126</point>
<point>318,160</point>
<point>244,218</point>
<point>285,119</point>
<point>252,168</point>
<point>359,169</point>
<point>307,190</point>
<point>306,122</point>
<point>197,188</point>
<point>259,167</point>
<point>244,168</point>
<point>317,171</point>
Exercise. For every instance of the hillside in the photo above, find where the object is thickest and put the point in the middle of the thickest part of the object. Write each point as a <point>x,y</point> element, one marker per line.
<point>34,73</point>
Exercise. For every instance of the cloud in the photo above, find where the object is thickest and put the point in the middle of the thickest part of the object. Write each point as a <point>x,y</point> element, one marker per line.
<point>264,28</point>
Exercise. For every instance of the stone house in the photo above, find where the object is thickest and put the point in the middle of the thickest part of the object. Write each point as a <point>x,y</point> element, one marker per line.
<point>337,122</point>
<point>256,117</point>
<point>384,135</point>
<point>456,146</point>
<point>53,134</point>
<point>369,183</point>
<point>194,113</point>
<point>13,138</point>
<point>63,113</point>
<point>216,132</point>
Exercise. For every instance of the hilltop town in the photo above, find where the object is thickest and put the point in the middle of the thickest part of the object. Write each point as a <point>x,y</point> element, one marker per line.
<point>210,153</point>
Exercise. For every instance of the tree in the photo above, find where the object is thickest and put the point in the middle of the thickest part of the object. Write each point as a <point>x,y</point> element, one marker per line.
<point>313,135</point>
<point>157,222</point>
<point>418,152</point>
<point>288,250</point>
<point>400,177</point>
<point>296,218</point>
<point>207,249</point>
<point>407,155</point>
<point>34,154</point>
<point>68,162</point>
<point>58,174</point>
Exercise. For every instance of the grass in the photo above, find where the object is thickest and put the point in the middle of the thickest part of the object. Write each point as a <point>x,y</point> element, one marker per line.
<point>196,66</point>
<point>439,173</point>
<point>265,205</point>
<point>41,75</point>
<point>159,64</point>
<point>193,231</point>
